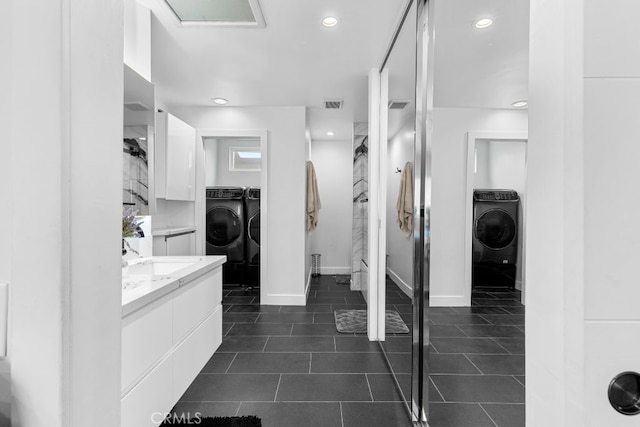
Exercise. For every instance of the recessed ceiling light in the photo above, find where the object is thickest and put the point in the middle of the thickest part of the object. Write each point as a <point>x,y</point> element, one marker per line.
<point>220,101</point>
<point>330,133</point>
<point>519,104</point>
<point>329,21</point>
<point>483,23</point>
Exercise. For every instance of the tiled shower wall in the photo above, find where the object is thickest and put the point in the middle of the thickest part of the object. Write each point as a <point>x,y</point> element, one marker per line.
<point>359,245</point>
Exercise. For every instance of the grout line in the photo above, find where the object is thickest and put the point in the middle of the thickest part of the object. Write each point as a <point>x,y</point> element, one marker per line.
<point>238,410</point>
<point>232,360</point>
<point>335,346</point>
<point>369,385</point>
<point>520,382</point>
<point>341,416</point>
<point>275,397</point>
<point>476,366</point>
<point>310,358</point>
<point>437,389</point>
<point>291,332</point>
<point>465,334</point>
<point>485,411</point>
<point>500,345</point>
<point>265,344</point>
<point>256,321</point>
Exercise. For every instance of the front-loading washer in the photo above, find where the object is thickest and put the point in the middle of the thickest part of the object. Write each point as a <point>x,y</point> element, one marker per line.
<point>225,230</point>
<point>495,237</point>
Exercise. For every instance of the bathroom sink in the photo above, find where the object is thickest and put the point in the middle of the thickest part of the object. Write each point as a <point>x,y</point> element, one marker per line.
<point>154,267</point>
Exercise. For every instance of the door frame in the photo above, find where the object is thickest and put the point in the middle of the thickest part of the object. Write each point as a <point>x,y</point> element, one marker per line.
<point>200,204</point>
<point>472,138</point>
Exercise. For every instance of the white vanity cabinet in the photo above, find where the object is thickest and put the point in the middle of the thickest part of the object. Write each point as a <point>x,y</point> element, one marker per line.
<point>175,242</point>
<point>166,342</point>
<point>175,158</point>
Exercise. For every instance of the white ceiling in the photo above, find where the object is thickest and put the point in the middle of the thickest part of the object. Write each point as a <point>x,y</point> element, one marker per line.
<point>296,61</point>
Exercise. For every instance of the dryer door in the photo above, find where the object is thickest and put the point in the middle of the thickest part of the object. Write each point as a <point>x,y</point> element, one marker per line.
<point>254,228</point>
<point>223,226</point>
<point>495,229</point>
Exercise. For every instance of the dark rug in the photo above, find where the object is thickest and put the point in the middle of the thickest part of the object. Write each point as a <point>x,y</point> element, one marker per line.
<point>355,321</point>
<point>343,279</point>
<point>249,421</point>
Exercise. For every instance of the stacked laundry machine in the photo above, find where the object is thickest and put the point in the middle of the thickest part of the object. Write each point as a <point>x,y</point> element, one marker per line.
<point>233,229</point>
<point>495,238</point>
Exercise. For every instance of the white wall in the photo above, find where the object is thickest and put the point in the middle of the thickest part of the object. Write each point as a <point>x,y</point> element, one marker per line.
<point>333,162</point>
<point>137,37</point>
<point>399,247</point>
<point>448,215</point>
<point>502,165</point>
<point>308,238</point>
<point>555,237</point>
<point>65,280</point>
<point>217,163</point>
<point>286,191</point>
<point>5,194</point>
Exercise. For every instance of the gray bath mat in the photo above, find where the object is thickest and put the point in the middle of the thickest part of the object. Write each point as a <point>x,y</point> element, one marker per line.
<point>343,279</point>
<point>355,321</point>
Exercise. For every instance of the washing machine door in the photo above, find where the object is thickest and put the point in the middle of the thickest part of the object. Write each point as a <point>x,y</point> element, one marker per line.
<point>495,229</point>
<point>223,226</point>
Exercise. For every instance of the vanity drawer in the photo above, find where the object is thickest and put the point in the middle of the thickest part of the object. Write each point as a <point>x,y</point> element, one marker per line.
<point>194,302</point>
<point>190,357</point>
<point>146,338</point>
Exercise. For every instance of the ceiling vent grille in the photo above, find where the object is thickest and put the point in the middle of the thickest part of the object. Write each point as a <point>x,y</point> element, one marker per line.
<point>333,104</point>
<point>398,104</point>
<point>136,106</point>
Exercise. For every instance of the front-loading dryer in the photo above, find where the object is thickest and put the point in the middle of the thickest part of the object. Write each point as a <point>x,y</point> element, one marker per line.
<point>252,210</point>
<point>225,230</point>
<point>495,237</point>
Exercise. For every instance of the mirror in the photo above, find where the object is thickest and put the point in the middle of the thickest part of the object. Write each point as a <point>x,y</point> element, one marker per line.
<point>137,144</point>
<point>401,116</point>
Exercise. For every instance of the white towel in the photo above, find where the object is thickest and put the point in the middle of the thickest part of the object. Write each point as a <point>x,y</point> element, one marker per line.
<point>404,205</point>
<point>313,198</point>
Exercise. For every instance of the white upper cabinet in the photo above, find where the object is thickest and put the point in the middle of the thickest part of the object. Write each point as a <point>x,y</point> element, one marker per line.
<point>175,162</point>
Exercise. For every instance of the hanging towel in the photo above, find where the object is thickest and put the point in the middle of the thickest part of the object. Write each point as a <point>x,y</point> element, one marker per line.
<point>313,198</point>
<point>404,206</point>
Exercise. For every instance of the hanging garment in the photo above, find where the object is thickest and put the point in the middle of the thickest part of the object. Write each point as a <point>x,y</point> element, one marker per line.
<point>404,205</point>
<point>313,198</point>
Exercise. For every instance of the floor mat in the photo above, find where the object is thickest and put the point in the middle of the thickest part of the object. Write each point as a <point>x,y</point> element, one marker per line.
<point>248,421</point>
<point>343,279</point>
<point>355,321</point>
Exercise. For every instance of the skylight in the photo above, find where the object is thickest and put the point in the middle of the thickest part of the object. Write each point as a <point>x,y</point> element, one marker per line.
<point>218,12</point>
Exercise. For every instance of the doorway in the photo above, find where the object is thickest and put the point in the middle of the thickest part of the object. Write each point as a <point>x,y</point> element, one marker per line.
<point>237,158</point>
<point>496,160</point>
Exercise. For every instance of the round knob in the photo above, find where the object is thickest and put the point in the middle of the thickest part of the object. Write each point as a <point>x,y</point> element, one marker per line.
<point>624,393</point>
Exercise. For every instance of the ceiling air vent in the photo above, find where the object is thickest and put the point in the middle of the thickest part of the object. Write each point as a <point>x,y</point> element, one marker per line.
<point>397,104</point>
<point>333,104</point>
<point>136,106</point>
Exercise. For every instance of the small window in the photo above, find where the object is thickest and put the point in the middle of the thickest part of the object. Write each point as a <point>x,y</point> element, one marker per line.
<point>245,159</point>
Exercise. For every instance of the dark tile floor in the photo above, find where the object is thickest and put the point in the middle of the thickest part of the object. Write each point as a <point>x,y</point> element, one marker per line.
<point>290,367</point>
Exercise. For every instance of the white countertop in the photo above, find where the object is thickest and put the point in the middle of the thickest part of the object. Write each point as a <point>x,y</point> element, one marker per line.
<point>168,231</point>
<point>139,290</point>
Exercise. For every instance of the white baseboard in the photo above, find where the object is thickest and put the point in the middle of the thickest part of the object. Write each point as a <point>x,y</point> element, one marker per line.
<point>404,286</point>
<point>284,299</point>
<point>448,301</point>
<point>334,270</point>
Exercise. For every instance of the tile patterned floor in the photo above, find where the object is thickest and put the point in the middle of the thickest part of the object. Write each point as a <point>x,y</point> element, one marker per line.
<point>290,367</point>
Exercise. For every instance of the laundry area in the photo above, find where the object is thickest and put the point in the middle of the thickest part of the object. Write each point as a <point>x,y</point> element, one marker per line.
<point>232,174</point>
